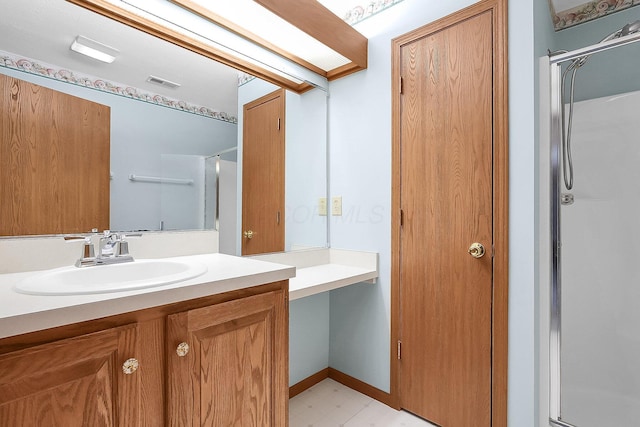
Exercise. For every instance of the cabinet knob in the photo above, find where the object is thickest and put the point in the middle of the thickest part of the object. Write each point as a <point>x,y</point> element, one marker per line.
<point>182,349</point>
<point>130,366</point>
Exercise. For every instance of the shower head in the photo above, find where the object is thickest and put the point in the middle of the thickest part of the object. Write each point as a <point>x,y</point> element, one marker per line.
<point>630,28</point>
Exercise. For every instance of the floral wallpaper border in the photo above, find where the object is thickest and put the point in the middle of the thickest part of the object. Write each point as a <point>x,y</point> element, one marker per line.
<point>26,65</point>
<point>588,11</point>
<point>360,13</point>
<point>244,78</point>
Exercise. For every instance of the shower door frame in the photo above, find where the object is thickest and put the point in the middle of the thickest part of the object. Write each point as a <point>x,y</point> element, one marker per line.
<point>555,336</point>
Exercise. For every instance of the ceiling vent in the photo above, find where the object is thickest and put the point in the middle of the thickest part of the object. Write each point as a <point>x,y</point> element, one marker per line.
<point>163,82</point>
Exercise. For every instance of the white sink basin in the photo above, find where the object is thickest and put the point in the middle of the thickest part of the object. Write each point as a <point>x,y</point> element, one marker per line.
<point>109,278</point>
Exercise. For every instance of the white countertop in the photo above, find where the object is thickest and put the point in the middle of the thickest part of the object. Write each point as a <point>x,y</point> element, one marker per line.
<point>322,270</point>
<point>20,313</point>
<point>327,277</point>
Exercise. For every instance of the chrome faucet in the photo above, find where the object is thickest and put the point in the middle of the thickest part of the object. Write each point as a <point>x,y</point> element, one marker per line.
<point>112,249</point>
<point>108,244</point>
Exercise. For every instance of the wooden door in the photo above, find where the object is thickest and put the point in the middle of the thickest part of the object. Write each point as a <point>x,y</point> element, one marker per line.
<point>75,382</point>
<point>54,161</point>
<point>263,154</point>
<point>235,372</point>
<point>446,198</point>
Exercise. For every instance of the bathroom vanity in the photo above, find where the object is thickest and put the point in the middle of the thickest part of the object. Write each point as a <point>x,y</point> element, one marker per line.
<point>212,350</point>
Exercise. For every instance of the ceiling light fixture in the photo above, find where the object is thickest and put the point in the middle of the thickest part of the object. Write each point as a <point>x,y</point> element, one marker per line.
<point>163,82</point>
<point>94,49</point>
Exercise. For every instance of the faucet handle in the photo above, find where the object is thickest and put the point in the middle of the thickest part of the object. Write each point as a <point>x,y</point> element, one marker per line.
<point>122,249</point>
<point>123,245</point>
<point>88,253</point>
<point>87,247</point>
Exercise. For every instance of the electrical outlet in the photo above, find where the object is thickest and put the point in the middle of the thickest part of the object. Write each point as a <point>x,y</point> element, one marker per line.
<point>336,206</point>
<point>322,206</point>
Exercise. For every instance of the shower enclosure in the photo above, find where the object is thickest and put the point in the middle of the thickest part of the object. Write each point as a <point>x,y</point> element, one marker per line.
<point>594,348</point>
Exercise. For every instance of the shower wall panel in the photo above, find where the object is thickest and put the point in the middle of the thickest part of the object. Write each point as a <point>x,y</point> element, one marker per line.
<point>600,264</point>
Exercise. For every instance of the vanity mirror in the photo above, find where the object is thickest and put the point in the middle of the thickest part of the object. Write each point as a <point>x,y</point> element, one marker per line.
<point>165,142</point>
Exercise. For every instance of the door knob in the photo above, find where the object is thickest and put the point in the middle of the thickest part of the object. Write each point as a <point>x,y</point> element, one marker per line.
<point>130,366</point>
<point>476,250</point>
<point>248,234</point>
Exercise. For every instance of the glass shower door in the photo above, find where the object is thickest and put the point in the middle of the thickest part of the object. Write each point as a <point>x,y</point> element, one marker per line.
<point>595,323</point>
<point>600,267</point>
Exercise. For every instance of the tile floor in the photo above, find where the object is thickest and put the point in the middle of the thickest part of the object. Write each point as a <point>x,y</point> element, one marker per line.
<point>330,404</point>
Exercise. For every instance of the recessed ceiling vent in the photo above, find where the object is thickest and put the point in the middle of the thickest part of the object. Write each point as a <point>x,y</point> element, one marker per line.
<point>163,82</point>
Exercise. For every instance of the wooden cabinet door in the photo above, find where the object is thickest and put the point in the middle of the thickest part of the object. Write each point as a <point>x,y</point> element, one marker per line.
<point>72,382</point>
<point>235,373</point>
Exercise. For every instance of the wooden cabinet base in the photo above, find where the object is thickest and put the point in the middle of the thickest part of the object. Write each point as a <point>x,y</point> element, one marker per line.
<point>234,370</point>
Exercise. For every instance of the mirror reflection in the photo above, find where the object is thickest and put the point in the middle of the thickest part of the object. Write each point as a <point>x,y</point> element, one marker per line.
<point>175,160</point>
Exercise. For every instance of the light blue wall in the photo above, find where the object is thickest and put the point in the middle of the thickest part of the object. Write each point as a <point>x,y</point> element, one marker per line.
<point>523,383</point>
<point>308,336</point>
<point>306,166</point>
<point>141,133</point>
<point>545,36</point>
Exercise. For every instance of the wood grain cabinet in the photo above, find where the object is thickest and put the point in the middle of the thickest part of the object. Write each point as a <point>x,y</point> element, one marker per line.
<point>225,364</point>
<point>215,361</point>
<point>54,157</point>
<point>72,382</point>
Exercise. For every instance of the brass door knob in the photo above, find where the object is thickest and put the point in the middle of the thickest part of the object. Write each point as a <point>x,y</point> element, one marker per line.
<point>248,234</point>
<point>476,250</point>
<point>130,366</point>
<point>183,349</point>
